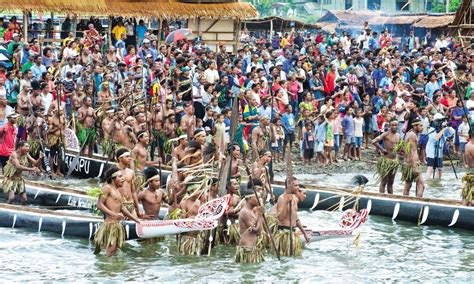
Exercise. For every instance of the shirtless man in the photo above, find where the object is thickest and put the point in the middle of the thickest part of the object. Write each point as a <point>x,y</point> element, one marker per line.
<point>251,226</point>
<point>13,181</point>
<point>188,121</point>
<point>87,134</point>
<point>140,157</point>
<point>260,137</point>
<point>170,126</point>
<point>191,243</point>
<point>287,205</point>
<point>108,130</point>
<point>55,138</point>
<point>468,188</point>
<point>259,171</point>
<point>231,234</point>
<point>111,233</point>
<point>237,163</point>
<point>35,126</point>
<point>179,152</point>
<point>152,197</point>
<point>128,138</point>
<point>411,161</point>
<point>23,102</point>
<point>128,190</point>
<point>387,165</point>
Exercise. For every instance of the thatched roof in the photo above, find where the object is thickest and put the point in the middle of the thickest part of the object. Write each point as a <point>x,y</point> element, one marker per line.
<point>163,9</point>
<point>395,20</point>
<point>348,17</point>
<point>278,24</point>
<point>431,22</point>
<point>328,26</point>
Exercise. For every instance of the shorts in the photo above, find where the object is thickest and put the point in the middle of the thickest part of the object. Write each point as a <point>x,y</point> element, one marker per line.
<point>358,142</point>
<point>3,161</point>
<point>438,163</point>
<point>349,139</point>
<point>423,140</point>
<point>462,146</point>
<point>308,154</point>
<point>319,147</point>
<point>336,142</point>
<point>368,129</point>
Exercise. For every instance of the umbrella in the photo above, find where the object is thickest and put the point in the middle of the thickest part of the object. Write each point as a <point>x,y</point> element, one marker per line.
<point>178,35</point>
<point>5,58</point>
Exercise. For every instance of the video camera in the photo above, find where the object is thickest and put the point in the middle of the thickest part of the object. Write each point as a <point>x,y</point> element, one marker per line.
<point>441,123</point>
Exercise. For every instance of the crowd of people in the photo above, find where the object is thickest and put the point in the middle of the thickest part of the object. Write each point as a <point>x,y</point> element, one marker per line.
<point>329,97</point>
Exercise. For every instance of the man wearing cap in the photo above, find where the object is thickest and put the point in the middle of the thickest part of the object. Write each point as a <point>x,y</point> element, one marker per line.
<point>437,138</point>
<point>8,133</point>
<point>14,42</point>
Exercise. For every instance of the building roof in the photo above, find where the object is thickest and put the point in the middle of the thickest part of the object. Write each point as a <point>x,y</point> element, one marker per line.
<point>348,17</point>
<point>396,20</point>
<point>431,22</point>
<point>164,9</point>
<point>278,24</point>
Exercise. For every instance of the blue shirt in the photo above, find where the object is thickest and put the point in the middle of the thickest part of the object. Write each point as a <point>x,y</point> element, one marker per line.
<point>348,125</point>
<point>121,43</point>
<point>321,132</point>
<point>141,30</point>
<point>430,88</point>
<point>38,71</point>
<point>288,122</point>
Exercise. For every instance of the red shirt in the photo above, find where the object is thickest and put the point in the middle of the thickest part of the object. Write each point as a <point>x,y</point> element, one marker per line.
<point>8,132</point>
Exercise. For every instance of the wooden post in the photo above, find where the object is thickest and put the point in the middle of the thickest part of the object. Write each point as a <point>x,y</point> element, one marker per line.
<point>109,35</point>
<point>160,30</point>
<point>237,34</point>
<point>74,25</point>
<point>25,26</point>
<point>271,30</point>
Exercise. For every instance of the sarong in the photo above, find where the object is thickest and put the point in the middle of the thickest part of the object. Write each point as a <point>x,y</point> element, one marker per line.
<point>467,192</point>
<point>232,234</point>
<point>249,255</point>
<point>109,234</point>
<point>139,180</point>
<point>282,241</point>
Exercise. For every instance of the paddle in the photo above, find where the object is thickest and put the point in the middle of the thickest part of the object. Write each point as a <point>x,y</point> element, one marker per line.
<point>267,228</point>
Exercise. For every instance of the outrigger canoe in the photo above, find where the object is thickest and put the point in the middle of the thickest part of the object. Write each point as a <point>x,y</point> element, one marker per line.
<point>75,225</point>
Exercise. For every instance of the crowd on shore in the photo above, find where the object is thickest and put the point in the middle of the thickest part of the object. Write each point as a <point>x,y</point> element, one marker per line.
<point>328,96</point>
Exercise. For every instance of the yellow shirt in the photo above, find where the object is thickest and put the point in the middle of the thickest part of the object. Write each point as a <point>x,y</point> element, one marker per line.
<point>284,42</point>
<point>117,31</point>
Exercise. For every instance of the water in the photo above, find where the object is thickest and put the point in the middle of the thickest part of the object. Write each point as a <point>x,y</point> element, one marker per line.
<point>389,251</point>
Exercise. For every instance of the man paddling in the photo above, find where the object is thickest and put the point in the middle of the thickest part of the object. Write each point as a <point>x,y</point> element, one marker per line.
<point>251,226</point>
<point>111,233</point>
<point>411,162</point>
<point>387,165</point>
<point>467,193</point>
<point>13,181</point>
<point>128,189</point>
<point>288,243</point>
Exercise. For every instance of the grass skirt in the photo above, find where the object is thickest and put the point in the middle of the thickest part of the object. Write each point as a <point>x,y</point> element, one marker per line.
<point>35,147</point>
<point>139,181</point>
<point>467,192</point>
<point>191,244</point>
<point>249,255</point>
<point>109,147</point>
<point>232,234</point>
<point>130,207</point>
<point>386,167</point>
<point>109,234</point>
<point>11,180</point>
<point>282,240</point>
<point>86,136</point>
<point>408,175</point>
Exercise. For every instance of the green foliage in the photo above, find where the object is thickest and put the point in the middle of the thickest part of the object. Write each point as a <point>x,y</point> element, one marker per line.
<point>440,7</point>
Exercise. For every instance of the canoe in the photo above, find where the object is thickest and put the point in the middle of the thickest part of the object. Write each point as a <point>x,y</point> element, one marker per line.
<point>75,225</point>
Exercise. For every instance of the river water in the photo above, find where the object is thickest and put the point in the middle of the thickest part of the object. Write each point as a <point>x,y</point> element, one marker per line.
<point>388,251</point>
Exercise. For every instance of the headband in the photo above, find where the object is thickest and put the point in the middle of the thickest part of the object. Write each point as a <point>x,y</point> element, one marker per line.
<point>126,154</point>
<point>152,178</point>
<point>141,134</point>
<point>116,174</point>
<point>416,123</point>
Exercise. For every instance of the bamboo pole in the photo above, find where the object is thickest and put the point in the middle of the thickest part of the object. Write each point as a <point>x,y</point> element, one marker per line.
<point>25,26</point>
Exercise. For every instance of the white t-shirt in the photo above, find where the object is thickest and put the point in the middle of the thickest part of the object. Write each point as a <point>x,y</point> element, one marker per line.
<point>358,124</point>
<point>212,76</point>
<point>469,104</point>
<point>463,130</point>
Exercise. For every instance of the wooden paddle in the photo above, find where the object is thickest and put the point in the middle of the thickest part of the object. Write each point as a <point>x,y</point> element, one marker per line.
<point>267,228</point>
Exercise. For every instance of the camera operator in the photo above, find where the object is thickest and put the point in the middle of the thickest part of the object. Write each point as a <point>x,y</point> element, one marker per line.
<point>438,134</point>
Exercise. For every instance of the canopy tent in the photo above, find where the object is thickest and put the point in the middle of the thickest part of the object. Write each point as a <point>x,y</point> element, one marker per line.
<point>276,23</point>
